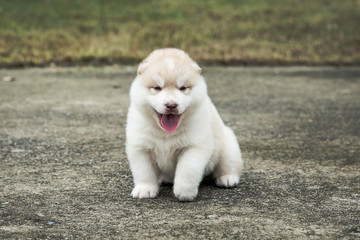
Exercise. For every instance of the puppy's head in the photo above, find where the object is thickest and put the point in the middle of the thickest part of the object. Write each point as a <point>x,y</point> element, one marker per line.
<point>168,84</point>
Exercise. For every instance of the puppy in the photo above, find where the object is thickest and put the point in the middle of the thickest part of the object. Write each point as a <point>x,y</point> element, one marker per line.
<point>174,133</point>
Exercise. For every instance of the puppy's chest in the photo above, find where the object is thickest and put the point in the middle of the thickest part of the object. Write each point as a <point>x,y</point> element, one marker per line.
<point>167,157</point>
<point>166,153</point>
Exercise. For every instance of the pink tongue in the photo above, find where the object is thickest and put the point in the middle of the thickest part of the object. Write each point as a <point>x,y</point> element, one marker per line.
<point>169,122</point>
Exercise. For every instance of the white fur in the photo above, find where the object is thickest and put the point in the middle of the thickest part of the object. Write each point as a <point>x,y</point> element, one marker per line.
<point>170,63</point>
<point>201,145</point>
<point>159,80</point>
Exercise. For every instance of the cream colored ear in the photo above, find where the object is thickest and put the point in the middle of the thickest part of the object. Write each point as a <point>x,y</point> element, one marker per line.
<point>142,67</point>
<point>196,66</point>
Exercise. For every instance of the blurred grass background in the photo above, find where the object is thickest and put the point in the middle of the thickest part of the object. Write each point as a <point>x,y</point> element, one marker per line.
<point>39,32</point>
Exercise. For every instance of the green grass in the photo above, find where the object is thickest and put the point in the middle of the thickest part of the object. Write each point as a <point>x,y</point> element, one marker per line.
<point>38,32</point>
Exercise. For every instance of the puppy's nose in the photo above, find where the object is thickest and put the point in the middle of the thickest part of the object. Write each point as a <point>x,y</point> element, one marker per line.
<point>171,105</point>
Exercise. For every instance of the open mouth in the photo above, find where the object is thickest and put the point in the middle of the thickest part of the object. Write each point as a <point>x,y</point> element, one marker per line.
<point>169,121</point>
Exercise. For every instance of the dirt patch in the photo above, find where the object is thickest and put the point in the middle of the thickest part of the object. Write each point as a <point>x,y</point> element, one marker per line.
<point>64,172</point>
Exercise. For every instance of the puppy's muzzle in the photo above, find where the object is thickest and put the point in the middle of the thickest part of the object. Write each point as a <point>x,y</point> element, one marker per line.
<point>171,107</point>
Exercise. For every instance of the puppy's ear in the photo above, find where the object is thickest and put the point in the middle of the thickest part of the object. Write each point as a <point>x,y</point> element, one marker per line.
<point>142,67</point>
<point>196,66</point>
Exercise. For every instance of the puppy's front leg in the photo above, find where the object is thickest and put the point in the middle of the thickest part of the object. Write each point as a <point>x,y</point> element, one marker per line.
<point>144,173</point>
<point>189,173</point>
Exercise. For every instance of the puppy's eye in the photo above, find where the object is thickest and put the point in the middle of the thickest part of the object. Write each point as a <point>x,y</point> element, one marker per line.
<point>157,88</point>
<point>182,88</point>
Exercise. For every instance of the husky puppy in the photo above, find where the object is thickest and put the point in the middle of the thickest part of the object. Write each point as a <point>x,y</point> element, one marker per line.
<point>174,133</point>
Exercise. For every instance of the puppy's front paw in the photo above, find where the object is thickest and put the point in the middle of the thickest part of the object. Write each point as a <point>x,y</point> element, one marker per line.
<point>185,193</point>
<point>227,181</point>
<point>145,191</point>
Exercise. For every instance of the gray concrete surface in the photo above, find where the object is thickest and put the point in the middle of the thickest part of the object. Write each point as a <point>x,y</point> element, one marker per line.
<point>64,173</point>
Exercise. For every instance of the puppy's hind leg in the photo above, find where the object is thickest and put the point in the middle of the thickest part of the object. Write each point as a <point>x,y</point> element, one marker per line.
<point>227,171</point>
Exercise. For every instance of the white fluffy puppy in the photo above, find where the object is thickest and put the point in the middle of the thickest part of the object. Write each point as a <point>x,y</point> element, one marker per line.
<point>174,133</point>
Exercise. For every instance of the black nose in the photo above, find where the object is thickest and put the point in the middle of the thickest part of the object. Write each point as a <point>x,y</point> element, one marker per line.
<point>171,105</point>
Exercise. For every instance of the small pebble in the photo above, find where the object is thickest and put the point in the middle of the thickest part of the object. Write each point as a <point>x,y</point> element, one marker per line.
<point>211,216</point>
<point>8,79</point>
<point>18,150</point>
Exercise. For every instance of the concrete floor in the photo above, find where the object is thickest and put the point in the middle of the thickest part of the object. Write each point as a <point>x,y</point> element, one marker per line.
<point>64,172</point>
